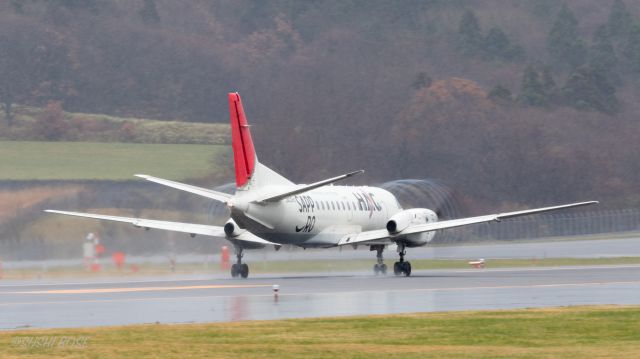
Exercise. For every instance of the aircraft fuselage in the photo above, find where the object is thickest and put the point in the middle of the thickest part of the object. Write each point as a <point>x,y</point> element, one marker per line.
<point>320,217</point>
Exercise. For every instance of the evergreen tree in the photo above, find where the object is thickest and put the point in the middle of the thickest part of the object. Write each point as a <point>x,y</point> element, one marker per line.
<point>17,5</point>
<point>470,39</point>
<point>500,95</point>
<point>498,45</point>
<point>588,88</point>
<point>602,55</point>
<point>564,42</point>
<point>149,12</point>
<point>422,80</point>
<point>620,20</point>
<point>631,48</point>
<point>532,92</point>
<point>549,87</point>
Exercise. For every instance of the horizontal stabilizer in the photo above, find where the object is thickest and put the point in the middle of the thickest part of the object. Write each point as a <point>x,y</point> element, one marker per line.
<point>308,187</point>
<point>215,195</point>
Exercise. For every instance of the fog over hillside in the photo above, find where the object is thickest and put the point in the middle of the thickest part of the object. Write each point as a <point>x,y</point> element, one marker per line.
<point>511,103</point>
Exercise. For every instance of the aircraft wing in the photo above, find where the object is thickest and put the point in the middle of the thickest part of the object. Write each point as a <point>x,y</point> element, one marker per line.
<point>215,195</point>
<point>193,229</point>
<point>307,187</point>
<point>383,234</point>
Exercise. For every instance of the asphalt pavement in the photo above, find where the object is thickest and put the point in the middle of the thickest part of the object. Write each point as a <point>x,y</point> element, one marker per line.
<point>190,299</point>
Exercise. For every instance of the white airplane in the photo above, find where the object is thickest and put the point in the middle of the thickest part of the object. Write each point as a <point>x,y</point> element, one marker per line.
<point>268,209</point>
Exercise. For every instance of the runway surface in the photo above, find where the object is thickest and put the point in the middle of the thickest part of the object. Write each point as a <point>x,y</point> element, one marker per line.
<point>218,299</point>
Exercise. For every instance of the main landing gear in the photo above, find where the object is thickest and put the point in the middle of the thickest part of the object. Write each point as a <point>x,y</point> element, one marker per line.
<point>239,268</point>
<point>402,267</point>
<point>379,268</point>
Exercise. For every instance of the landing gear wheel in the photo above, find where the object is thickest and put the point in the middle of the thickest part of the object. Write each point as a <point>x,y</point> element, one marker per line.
<point>396,268</point>
<point>244,270</point>
<point>235,271</point>
<point>383,269</point>
<point>239,269</point>
<point>406,268</point>
<point>402,267</point>
<point>379,268</point>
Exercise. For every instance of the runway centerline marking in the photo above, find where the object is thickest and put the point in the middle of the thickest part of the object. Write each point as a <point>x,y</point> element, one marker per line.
<point>141,289</point>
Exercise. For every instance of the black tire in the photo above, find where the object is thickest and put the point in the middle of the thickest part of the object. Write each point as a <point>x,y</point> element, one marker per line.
<point>234,270</point>
<point>244,270</point>
<point>396,268</point>
<point>406,269</point>
<point>376,269</point>
<point>383,269</point>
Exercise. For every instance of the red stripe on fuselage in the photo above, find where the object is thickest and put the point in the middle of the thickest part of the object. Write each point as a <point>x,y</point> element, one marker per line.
<point>244,155</point>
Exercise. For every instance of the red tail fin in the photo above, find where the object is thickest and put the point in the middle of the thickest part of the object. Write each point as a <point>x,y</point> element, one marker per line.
<point>244,154</point>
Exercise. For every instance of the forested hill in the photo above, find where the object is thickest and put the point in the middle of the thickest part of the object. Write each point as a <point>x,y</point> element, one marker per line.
<point>508,101</point>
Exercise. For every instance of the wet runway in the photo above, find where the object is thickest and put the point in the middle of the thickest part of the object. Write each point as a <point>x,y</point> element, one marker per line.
<point>218,299</point>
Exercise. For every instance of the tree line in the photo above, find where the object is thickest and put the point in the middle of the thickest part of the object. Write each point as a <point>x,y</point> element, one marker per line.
<point>520,102</point>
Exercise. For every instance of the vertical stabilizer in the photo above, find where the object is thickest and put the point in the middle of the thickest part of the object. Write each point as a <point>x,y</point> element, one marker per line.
<point>244,154</point>
<point>249,172</point>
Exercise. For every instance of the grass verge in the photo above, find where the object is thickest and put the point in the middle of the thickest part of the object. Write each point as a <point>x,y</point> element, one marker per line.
<point>105,128</point>
<point>104,161</point>
<point>301,266</point>
<point>575,332</point>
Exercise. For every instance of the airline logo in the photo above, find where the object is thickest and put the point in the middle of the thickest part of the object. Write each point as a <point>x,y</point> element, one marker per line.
<point>367,203</point>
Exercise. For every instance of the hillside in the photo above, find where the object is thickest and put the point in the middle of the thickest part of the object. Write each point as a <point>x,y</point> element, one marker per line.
<point>64,172</point>
<point>51,123</point>
<point>512,103</point>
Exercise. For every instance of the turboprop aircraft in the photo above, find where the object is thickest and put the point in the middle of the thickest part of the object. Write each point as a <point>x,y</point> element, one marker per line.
<point>268,209</point>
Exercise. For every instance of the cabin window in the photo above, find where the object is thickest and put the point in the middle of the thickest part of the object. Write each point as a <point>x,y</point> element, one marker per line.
<point>333,205</point>
<point>322,205</point>
<point>343,208</point>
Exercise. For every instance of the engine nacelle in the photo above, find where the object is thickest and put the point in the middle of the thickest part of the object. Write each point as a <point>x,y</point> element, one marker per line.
<point>231,229</point>
<point>400,221</point>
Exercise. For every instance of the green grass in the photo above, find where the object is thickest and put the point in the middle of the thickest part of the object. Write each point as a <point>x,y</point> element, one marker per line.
<point>426,264</point>
<point>305,266</point>
<point>105,128</point>
<point>575,332</point>
<point>104,161</point>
